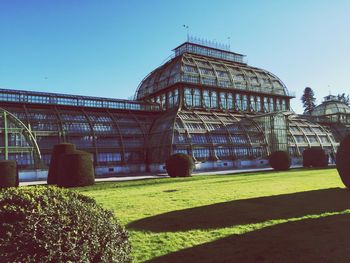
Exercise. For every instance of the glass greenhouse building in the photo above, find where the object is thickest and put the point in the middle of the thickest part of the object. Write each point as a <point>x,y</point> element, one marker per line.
<point>204,101</point>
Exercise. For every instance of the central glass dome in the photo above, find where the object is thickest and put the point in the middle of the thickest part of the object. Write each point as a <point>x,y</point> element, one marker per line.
<point>206,66</point>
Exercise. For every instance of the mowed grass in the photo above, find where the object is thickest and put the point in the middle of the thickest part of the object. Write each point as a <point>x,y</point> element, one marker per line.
<point>293,216</point>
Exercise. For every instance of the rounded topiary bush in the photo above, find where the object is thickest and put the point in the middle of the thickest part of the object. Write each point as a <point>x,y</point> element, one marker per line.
<point>315,157</point>
<point>51,224</point>
<point>320,157</point>
<point>307,157</point>
<point>57,152</point>
<point>76,169</point>
<point>179,165</point>
<point>280,160</point>
<point>8,174</point>
<point>343,160</point>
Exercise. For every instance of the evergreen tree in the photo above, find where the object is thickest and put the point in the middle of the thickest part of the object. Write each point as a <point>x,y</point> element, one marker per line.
<point>344,98</point>
<point>308,100</point>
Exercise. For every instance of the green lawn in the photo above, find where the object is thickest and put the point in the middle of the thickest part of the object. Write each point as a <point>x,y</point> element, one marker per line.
<point>293,216</point>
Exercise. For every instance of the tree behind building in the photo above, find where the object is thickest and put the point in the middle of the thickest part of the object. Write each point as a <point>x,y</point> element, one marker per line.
<point>344,98</point>
<point>308,100</point>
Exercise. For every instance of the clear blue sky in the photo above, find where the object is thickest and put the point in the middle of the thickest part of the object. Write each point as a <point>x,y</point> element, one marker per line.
<point>105,48</point>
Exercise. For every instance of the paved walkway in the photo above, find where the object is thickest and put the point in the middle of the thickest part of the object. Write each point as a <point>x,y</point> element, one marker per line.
<point>122,178</point>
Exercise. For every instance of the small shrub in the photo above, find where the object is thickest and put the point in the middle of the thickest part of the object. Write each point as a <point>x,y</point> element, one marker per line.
<point>57,152</point>
<point>76,169</point>
<point>343,160</point>
<point>8,174</point>
<point>279,160</point>
<point>50,224</point>
<point>315,157</point>
<point>307,158</point>
<point>179,165</point>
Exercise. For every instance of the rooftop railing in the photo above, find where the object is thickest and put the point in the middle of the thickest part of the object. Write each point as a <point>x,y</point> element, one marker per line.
<point>209,51</point>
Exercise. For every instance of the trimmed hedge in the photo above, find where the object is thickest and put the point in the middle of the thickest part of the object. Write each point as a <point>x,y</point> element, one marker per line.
<point>315,157</point>
<point>50,224</point>
<point>280,161</point>
<point>57,152</point>
<point>307,158</point>
<point>76,169</point>
<point>343,161</point>
<point>8,174</point>
<point>179,165</point>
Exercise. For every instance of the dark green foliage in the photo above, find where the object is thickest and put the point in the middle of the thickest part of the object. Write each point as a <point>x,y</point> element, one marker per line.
<point>308,100</point>
<point>343,160</point>
<point>76,169</point>
<point>315,157</point>
<point>50,224</point>
<point>8,174</point>
<point>307,158</point>
<point>279,160</point>
<point>344,98</point>
<point>57,152</point>
<point>179,165</point>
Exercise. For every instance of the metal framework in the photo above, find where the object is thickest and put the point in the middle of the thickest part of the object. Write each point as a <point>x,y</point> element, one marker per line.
<point>196,69</point>
<point>203,102</point>
<point>206,136</point>
<point>113,137</point>
<point>44,98</point>
<point>334,115</point>
<point>18,141</point>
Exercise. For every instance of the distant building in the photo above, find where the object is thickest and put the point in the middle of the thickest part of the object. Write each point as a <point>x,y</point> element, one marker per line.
<point>333,114</point>
<point>205,101</point>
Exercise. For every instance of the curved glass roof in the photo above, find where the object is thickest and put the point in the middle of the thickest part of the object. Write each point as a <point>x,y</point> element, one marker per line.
<point>330,107</point>
<point>304,134</point>
<point>117,137</point>
<point>18,142</point>
<point>44,98</point>
<point>210,71</point>
<point>114,137</point>
<point>225,136</point>
<point>206,136</point>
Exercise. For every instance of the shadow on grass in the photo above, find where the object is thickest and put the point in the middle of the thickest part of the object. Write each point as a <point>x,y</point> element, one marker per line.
<point>248,211</point>
<point>311,240</point>
<point>272,172</point>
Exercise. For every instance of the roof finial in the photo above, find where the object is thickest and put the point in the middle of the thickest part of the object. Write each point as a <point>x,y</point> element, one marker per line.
<point>187,30</point>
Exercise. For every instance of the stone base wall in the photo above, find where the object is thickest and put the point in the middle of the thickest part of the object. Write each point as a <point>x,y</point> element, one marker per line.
<point>139,169</point>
